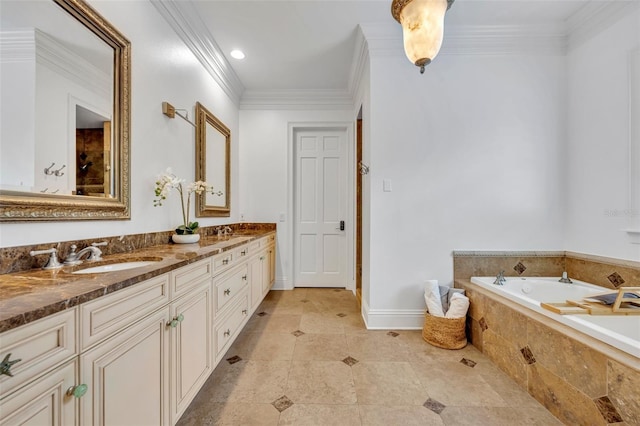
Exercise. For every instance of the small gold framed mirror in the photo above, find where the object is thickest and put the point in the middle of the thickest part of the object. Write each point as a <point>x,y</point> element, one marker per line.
<point>213,163</point>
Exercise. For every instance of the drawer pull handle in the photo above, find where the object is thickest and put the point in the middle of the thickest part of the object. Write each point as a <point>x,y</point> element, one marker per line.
<point>227,333</point>
<point>227,291</point>
<point>5,365</point>
<point>243,252</point>
<point>77,391</point>
<point>244,277</point>
<point>225,261</point>
<point>244,311</point>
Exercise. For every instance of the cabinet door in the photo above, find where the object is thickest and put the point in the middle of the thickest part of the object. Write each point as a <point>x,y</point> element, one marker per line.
<point>268,269</point>
<point>255,275</point>
<point>128,376</point>
<point>44,402</point>
<point>191,346</point>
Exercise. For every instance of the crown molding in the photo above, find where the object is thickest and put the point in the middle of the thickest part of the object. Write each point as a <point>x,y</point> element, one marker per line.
<point>296,100</point>
<point>184,19</point>
<point>595,17</point>
<point>358,66</point>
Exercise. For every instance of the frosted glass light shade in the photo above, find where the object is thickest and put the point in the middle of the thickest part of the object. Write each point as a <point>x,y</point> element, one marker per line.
<point>422,28</point>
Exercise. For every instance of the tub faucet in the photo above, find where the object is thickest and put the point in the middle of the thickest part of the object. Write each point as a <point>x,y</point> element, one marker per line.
<point>75,258</point>
<point>565,279</point>
<point>500,280</point>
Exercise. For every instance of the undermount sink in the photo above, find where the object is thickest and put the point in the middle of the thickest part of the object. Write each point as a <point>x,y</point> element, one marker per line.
<point>113,267</point>
<point>232,240</point>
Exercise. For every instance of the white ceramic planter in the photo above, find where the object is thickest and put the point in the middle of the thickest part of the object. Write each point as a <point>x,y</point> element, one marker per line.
<point>185,238</point>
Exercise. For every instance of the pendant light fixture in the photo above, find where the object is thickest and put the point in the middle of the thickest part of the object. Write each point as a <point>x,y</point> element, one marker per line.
<point>422,27</point>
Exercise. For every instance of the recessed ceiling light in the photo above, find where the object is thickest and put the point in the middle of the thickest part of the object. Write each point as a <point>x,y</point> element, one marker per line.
<point>237,54</point>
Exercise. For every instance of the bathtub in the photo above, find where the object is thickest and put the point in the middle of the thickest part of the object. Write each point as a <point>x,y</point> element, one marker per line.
<point>619,331</point>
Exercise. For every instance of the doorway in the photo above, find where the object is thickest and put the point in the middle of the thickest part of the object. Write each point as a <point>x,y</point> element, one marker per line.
<point>321,227</point>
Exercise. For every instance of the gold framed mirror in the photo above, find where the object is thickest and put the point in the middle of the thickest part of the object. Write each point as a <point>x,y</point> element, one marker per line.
<point>213,162</point>
<point>67,158</point>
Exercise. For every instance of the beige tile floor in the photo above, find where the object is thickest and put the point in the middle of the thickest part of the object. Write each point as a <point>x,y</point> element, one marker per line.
<point>306,358</point>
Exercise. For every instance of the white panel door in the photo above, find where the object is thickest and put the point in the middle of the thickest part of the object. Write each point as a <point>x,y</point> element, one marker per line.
<point>320,206</point>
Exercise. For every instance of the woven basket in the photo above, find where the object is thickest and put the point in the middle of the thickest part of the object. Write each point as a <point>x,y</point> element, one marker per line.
<point>446,333</point>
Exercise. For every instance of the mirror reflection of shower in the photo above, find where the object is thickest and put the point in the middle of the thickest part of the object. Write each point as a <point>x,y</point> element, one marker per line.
<point>93,152</point>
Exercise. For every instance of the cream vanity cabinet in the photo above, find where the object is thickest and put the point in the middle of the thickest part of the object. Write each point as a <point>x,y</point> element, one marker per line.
<point>138,355</point>
<point>42,359</point>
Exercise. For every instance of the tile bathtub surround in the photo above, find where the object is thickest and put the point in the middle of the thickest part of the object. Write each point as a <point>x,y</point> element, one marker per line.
<point>580,380</point>
<point>606,272</point>
<point>302,364</point>
<point>17,259</point>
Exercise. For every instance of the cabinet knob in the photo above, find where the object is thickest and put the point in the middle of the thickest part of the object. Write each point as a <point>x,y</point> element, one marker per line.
<point>244,311</point>
<point>77,391</point>
<point>227,291</point>
<point>225,261</point>
<point>244,277</point>
<point>5,365</point>
<point>243,252</point>
<point>261,257</point>
<point>175,321</point>
<point>227,333</point>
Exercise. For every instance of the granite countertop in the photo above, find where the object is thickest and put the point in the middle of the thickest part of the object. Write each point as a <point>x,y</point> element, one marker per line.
<point>34,294</point>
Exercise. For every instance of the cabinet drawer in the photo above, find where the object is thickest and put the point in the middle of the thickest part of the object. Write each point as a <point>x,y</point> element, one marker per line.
<point>229,285</point>
<point>43,402</point>
<point>105,316</point>
<point>223,261</point>
<point>39,346</point>
<point>228,328</point>
<point>185,278</point>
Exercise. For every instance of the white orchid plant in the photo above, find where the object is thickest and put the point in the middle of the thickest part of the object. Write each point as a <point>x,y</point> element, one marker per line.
<point>167,181</point>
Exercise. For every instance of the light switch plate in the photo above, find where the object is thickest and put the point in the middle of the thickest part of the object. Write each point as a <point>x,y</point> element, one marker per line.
<point>386,185</point>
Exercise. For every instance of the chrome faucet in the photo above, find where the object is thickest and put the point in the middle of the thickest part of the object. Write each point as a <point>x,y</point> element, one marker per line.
<point>500,279</point>
<point>228,230</point>
<point>565,279</point>
<point>75,258</point>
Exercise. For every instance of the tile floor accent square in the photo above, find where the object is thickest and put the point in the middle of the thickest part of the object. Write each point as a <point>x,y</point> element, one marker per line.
<point>261,314</point>
<point>434,405</point>
<point>282,403</point>
<point>304,301</point>
<point>350,361</point>
<point>468,362</point>
<point>341,315</point>
<point>298,333</point>
<point>234,359</point>
<point>393,334</point>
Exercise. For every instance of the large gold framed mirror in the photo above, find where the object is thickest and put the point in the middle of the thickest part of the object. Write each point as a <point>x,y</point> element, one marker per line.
<point>213,162</point>
<point>65,103</point>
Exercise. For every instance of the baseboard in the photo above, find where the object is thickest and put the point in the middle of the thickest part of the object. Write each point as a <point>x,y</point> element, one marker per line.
<point>282,284</point>
<point>396,319</point>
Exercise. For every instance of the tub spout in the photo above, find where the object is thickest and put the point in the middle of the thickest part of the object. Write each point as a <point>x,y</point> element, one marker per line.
<point>565,279</point>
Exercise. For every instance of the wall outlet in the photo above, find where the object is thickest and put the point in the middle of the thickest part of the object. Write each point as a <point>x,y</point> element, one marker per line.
<point>282,217</point>
<point>241,217</point>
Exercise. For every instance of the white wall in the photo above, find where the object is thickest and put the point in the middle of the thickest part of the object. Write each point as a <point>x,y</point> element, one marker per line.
<point>474,152</point>
<point>264,161</point>
<point>163,69</point>
<point>597,213</point>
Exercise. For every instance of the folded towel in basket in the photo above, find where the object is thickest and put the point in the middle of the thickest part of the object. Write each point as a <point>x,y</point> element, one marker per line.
<point>458,307</point>
<point>432,298</point>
